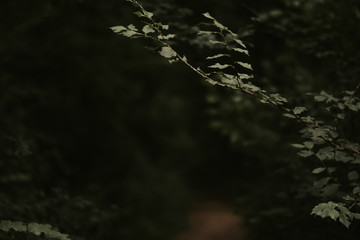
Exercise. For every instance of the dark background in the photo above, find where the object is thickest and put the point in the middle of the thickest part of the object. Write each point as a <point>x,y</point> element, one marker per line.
<point>106,140</point>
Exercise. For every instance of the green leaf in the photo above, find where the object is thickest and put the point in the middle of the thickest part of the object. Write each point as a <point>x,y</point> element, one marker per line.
<point>326,210</point>
<point>299,110</point>
<point>356,190</point>
<point>245,76</point>
<point>129,33</point>
<point>206,32</point>
<point>305,153</point>
<point>220,66</point>
<point>48,230</point>
<point>356,216</point>
<point>348,198</point>
<point>217,42</point>
<point>167,52</point>
<point>218,56</point>
<point>164,26</point>
<point>148,29</point>
<point>207,15</point>
<point>318,170</point>
<point>228,79</point>
<point>132,27</point>
<point>309,145</point>
<point>35,228</point>
<point>166,37</point>
<point>344,219</point>
<point>245,65</point>
<point>344,157</point>
<point>251,87</point>
<point>240,50</point>
<point>139,14</point>
<point>219,25</point>
<point>289,115</point>
<point>296,145</point>
<point>16,226</point>
<point>353,175</point>
<point>118,29</point>
<point>325,153</point>
<point>319,98</point>
<point>147,14</point>
<point>322,182</point>
<point>238,41</point>
<point>278,98</point>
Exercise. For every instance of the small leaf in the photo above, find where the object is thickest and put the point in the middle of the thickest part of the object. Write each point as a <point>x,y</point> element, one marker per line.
<point>132,27</point>
<point>278,98</point>
<point>318,170</point>
<point>245,65</point>
<point>240,50</point>
<point>207,15</point>
<point>238,41</point>
<point>309,145</point>
<point>129,33</point>
<point>344,157</point>
<point>356,190</point>
<point>218,56</point>
<point>325,153</point>
<point>148,29</point>
<point>217,42</point>
<point>289,115</point>
<point>245,76</point>
<point>167,37</point>
<point>348,198</point>
<point>206,32</point>
<point>139,14</point>
<point>167,52</point>
<point>165,27</point>
<point>344,219</point>
<point>147,14</point>
<point>299,110</point>
<point>219,25</point>
<point>118,29</point>
<point>305,153</point>
<point>220,66</point>
<point>296,145</point>
<point>322,182</point>
<point>319,98</point>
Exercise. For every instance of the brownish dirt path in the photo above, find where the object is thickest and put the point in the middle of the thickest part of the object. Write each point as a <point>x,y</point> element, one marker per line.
<point>213,220</point>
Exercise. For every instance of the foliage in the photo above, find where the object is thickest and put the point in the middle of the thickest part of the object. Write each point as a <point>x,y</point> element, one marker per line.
<point>37,229</point>
<point>339,156</point>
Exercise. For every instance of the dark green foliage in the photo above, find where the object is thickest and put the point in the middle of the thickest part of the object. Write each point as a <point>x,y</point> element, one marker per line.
<point>324,139</point>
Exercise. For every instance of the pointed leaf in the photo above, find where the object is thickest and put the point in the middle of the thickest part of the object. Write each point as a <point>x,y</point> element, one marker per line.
<point>218,56</point>
<point>207,15</point>
<point>245,65</point>
<point>220,66</point>
<point>240,50</point>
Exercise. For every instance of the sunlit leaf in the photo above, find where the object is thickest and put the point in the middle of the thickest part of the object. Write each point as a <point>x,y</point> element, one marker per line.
<point>167,52</point>
<point>148,29</point>
<point>220,66</point>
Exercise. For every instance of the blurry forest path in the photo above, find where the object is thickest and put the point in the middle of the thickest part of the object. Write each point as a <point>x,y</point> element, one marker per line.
<point>213,220</point>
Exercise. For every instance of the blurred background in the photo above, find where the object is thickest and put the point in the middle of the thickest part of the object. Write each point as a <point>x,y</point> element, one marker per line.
<point>106,140</point>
